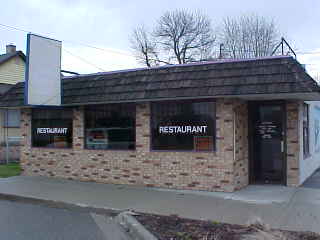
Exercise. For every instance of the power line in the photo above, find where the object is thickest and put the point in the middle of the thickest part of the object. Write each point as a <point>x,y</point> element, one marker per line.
<point>119,52</point>
<point>84,60</point>
<point>72,42</point>
<point>98,48</point>
<point>80,58</point>
<point>13,28</point>
<point>315,52</point>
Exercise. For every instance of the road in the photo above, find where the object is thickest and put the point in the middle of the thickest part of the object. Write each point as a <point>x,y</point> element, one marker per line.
<point>23,221</point>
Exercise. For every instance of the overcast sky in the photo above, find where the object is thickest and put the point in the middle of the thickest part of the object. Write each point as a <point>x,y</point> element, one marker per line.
<point>107,24</point>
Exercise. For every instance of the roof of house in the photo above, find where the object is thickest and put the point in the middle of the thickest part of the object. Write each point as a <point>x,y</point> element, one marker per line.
<point>272,75</point>
<point>7,56</point>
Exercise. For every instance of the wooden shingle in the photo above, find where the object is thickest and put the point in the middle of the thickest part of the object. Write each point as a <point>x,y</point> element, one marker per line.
<point>210,79</point>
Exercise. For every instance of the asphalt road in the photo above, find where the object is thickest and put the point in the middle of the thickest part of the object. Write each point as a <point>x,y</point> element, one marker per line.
<point>23,221</point>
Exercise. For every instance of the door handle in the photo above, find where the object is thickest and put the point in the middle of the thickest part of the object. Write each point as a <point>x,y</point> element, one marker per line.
<point>282,146</point>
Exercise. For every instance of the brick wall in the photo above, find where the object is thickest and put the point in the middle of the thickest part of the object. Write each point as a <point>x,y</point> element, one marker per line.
<point>293,144</point>
<point>226,169</point>
<point>212,171</point>
<point>241,145</point>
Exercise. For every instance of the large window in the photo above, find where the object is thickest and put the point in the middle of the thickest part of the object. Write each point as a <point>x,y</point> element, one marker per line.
<point>52,128</point>
<point>183,125</point>
<point>110,126</point>
<point>306,145</point>
<point>12,118</point>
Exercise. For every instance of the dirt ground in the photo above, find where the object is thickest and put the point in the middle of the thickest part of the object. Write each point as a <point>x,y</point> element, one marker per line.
<point>176,228</point>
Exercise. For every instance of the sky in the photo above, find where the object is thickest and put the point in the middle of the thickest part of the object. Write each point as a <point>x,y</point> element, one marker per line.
<point>107,24</point>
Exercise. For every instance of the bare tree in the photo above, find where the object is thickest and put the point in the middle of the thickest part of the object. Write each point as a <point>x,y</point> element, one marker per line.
<point>186,36</point>
<point>179,37</point>
<point>144,46</point>
<point>248,36</point>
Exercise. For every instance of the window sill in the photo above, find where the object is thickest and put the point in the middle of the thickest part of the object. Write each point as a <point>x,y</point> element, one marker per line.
<point>53,148</point>
<point>187,151</point>
<point>114,150</point>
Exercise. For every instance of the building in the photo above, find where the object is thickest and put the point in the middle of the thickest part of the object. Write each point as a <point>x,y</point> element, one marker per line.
<point>215,126</point>
<point>12,68</point>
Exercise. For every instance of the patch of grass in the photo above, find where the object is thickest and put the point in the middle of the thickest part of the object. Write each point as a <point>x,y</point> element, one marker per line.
<point>9,170</point>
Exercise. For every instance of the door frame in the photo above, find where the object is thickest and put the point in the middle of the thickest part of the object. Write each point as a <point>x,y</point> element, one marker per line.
<point>251,106</point>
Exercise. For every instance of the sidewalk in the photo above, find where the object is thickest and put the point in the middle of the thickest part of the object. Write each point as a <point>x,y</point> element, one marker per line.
<point>281,207</point>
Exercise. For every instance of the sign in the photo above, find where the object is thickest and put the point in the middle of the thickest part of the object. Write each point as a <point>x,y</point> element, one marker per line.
<point>267,130</point>
<point>43,71</point>
<point>203,143</point>
<point>52,130</point>
<point>183,129</point>
<point>97,136</point>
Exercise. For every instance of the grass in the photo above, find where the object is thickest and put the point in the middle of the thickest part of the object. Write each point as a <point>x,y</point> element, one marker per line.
<point>9,170</point>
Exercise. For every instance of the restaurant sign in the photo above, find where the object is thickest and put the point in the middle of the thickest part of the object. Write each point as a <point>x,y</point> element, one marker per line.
<point>183,129</point>
<point>52,130</point>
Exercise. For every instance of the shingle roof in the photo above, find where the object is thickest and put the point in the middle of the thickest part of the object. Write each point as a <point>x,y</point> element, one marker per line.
<point>14,97</point>
<point>5,57</point>
<point>209,79</point>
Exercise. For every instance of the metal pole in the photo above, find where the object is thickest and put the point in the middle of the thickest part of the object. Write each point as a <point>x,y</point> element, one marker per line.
<point>220,50</point>
<point>288,45</point>
<point>7,143</point>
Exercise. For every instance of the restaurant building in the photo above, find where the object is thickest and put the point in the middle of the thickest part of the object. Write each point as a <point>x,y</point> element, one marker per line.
<point>215,126</point>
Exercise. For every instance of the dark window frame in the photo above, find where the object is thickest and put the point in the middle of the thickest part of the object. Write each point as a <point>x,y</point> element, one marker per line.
<point>214,147</point>
<point>306,130</point>
<point>131,106</point>
<point>51,109</point>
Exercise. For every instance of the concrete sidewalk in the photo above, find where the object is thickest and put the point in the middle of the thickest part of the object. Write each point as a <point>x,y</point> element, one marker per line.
<point>281,207</point>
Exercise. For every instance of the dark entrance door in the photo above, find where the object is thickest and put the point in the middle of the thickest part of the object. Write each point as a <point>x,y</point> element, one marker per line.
<point>266,132</point>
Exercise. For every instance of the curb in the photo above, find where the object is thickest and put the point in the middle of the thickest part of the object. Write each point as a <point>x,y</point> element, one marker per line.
<point>135,229</point>
<point>123,217</point>
<point>59,204</point>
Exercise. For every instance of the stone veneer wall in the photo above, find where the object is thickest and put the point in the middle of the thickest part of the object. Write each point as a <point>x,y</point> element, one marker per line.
<point>241,163</point>
<point>293,145</point>
<point>211,171</point>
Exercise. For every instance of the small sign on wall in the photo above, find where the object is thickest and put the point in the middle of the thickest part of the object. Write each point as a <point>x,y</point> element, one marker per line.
<point>203,143</point>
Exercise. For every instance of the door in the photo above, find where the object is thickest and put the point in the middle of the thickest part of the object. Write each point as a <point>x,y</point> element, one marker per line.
<point>267,158</point>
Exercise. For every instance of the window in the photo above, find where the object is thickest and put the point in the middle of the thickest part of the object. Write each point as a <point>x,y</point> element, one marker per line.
<point>52,128</point>
<point>183,125</point>
<point>12,118</point>
<point>110,126</point>
<point>306,152</point>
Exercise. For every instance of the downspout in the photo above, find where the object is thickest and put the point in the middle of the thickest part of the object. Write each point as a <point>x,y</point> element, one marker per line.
<point>234,135</point>
<point>234,147</point>
<point>6,130</point>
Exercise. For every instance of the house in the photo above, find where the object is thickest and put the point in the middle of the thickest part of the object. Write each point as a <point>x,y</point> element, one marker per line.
<point>12,68</point>
<point>214,126</point>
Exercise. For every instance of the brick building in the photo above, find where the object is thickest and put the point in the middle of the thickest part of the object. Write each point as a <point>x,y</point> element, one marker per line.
<point>215,126</point>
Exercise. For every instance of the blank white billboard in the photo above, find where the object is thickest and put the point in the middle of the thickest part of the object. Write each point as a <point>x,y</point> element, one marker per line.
<point>43,76</point>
